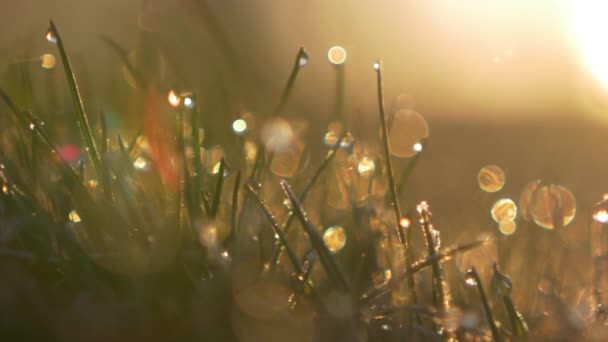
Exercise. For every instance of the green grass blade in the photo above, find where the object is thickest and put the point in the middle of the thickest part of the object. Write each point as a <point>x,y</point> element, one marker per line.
<point>83,122</point>
<point>215,204</point>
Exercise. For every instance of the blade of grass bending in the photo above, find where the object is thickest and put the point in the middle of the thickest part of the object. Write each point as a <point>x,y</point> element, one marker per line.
<point>403,239</point>
<point>329,263</point>
<point>83,122</point>
<point>419,265</point>
<point>141,82</point>
<point>215,204</point>
<point>307,188</point>
<point>300,61</point>
<point>486,306</point>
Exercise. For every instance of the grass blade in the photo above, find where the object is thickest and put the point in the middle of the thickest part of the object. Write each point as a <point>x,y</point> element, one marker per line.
<point>472,274</point>
<point>300,61</point>
<point>141,82</point>
<point>502,286</point>
<point>405,240</point>
<point>83,122</point>
<point>329,263</point>
<point>307,188</point>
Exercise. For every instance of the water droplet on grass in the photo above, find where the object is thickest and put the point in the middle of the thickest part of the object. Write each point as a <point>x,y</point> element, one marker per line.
<point>470,278</point>
<point>600,211</point>
<point>51,37</point>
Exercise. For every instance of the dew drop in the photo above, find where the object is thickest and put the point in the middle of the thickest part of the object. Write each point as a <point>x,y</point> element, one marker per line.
<point>470,279</point>
<point>51,37</point>
<point>336,55</point>
<point>189,102</point>
<point>491,178</point>
<point>304,59</point>
<point>47,61</point>
<point>504,210</point>
<point>32,126</point>
<point>408,129</point>
<point>74,217</point>
<point>5,189</point>
<point>600,211</point>
<point>501,283</point>
<point>366,166</point>
<point>239,126</point>
<point>377,66</point>
<point>552,204</point>
<point>347,140</point>
<point>334,238</point>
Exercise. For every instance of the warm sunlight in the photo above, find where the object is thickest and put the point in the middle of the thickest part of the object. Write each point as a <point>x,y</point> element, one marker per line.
<point>590,29</point>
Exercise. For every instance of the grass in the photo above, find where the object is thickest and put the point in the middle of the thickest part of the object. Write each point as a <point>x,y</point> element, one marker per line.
<point>160,262</point>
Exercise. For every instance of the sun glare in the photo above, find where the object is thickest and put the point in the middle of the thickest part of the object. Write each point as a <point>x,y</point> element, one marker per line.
<point>590,28</point>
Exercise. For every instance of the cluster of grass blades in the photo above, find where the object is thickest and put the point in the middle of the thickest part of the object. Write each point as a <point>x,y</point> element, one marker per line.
<point>166,243</point>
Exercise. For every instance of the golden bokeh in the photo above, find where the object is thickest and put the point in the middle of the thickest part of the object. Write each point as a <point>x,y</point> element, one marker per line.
<point>408,129</point>
<point>504,210</point>
<point>552,204</point>
<point>491,178</point>
<point>334,238</point>
<point>507,227</point>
